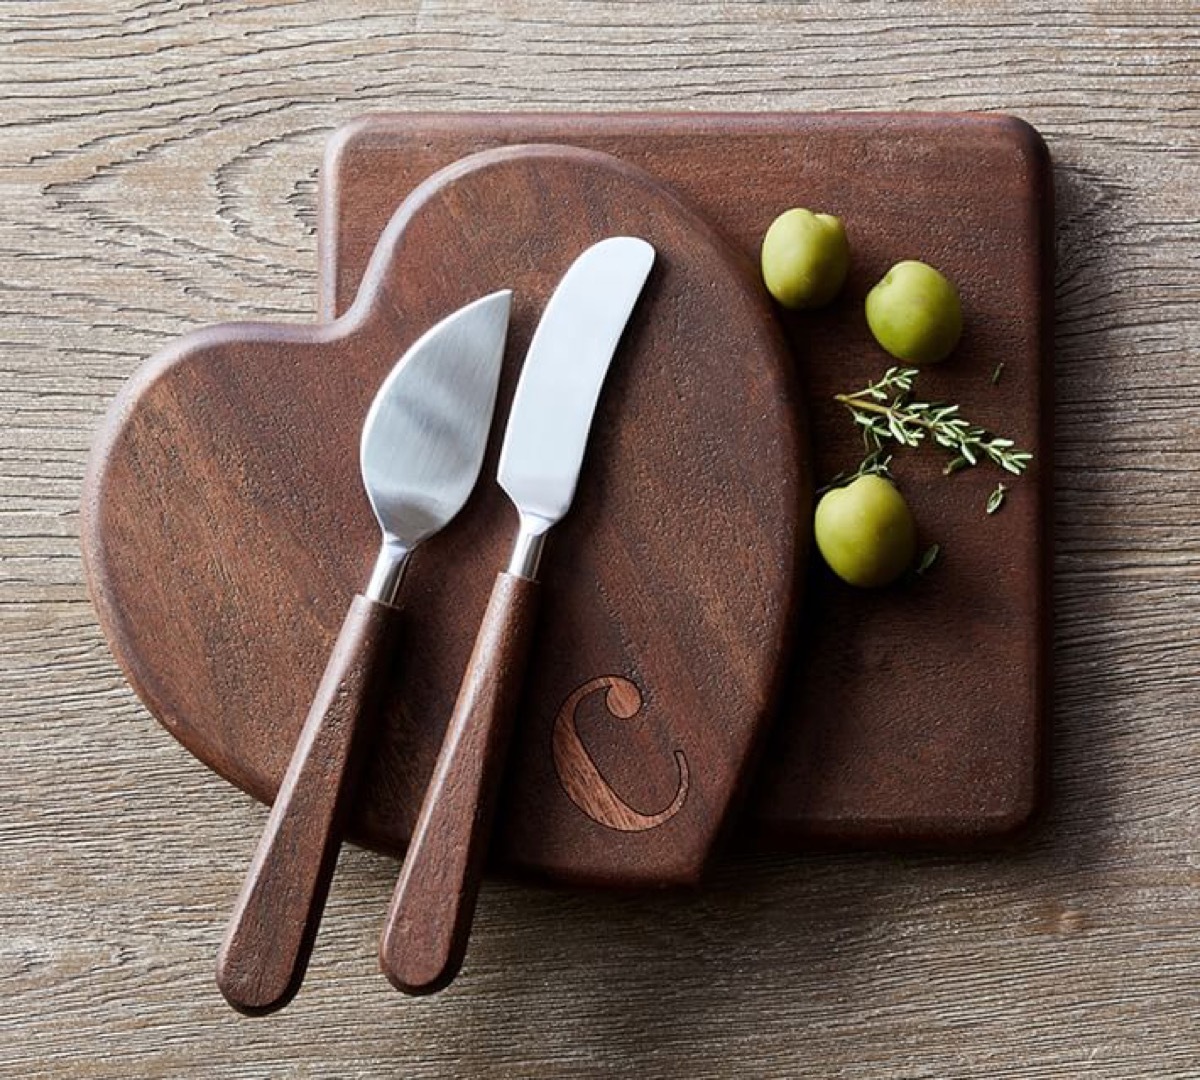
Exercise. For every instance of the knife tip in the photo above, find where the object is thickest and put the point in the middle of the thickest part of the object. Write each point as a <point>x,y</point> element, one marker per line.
<point>501,298</point>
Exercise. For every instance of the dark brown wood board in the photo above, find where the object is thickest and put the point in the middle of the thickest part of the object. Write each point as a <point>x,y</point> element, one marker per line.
<point>911,715</point>
<point>225,528</point>
<point>914,715</point>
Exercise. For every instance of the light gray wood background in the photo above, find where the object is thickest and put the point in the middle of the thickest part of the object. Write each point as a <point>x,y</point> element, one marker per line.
<point>158,172</point>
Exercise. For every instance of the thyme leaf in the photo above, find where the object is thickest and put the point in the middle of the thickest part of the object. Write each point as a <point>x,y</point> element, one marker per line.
<point>928,559</point>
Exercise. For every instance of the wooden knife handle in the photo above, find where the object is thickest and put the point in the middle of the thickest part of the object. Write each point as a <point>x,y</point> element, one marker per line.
<point>270,937</point>
<point>429,920</point>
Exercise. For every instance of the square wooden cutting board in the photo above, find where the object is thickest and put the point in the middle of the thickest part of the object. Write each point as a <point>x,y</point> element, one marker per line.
<point>915,714</point>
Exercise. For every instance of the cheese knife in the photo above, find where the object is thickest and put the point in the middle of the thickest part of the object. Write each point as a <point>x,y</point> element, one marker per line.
<point>428,922</point>
<point>422,448</point>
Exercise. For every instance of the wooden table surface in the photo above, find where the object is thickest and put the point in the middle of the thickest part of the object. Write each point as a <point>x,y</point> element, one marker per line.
<point>158,173</point>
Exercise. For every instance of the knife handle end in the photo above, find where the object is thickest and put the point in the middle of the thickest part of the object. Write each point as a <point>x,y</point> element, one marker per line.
<point>429,921</point>
<point>275,918</point>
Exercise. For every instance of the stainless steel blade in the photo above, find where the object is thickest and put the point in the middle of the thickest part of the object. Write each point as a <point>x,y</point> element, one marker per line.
<point>560,382</point>
<point>426,431</point>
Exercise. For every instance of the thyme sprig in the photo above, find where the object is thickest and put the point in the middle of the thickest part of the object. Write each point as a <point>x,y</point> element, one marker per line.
<point>887,413</point>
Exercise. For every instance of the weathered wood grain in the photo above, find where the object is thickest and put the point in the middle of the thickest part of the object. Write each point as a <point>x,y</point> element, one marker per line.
<point>157,171</point>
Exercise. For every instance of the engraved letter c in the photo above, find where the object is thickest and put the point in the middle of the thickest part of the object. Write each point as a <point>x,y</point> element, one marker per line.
<point>577,772</point>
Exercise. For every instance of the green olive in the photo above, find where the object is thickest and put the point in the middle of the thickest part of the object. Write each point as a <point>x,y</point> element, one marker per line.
<point>805,257</point>
<point>915,313</point>
<point>865,532</point>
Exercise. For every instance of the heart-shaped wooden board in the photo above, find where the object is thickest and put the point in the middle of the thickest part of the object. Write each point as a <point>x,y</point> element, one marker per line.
<point>225,529</point>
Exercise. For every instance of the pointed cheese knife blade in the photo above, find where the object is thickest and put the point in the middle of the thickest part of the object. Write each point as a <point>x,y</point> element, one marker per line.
<point>426,432</point>
<point>429,921</point>
<point>422,447</point>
